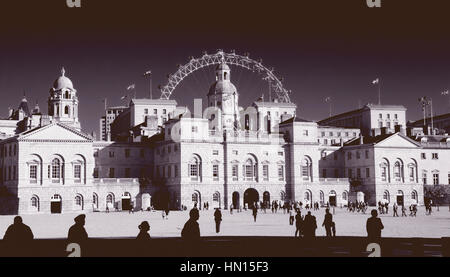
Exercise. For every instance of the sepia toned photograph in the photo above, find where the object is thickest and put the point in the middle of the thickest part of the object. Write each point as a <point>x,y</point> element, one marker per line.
<point>233,129</point>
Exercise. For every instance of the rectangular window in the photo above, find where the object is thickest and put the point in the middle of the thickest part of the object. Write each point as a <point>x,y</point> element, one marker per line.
<point>155,111</point>
<point>424,177</point>
<point>349,155</point>
<point>234,172</point>
<point>423,156</point>
<point>145,111</point>
<point>435,156</point>
<point>367,172</point>
<point>216,172</point>
<point>215,152</point>
<point>305,133</point>
<point>169,171</point>
<point>266,172</point>
<point>33,172</point>
<point>281,172</point>
<point>164,111</point>
<point>280,153</point>
<point>193,171</point>
<point>127,172</point>
<point>194,129</point>
<point>112,173</point>
<point>325,141</point>
<point>350,173</point>
<point>235,152</point>
<point>380,116</point>
<point>435,178</point>
<point>77,171</point>
<point>175,171</point>
<point>367,154</point>
<point>111,154</point>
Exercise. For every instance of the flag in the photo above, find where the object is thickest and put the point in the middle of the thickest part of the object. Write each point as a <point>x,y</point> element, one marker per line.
<point>445,92</point>
<point>131,87</point>
<point>376,81</point>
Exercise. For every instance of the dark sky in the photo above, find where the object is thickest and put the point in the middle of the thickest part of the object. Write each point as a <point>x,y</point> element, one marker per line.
<point>321,48</point>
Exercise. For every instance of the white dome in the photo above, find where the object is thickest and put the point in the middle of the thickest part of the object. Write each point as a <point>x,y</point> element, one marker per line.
<point>63,82</point>
<point>222,67</point>
<point>222,87</point>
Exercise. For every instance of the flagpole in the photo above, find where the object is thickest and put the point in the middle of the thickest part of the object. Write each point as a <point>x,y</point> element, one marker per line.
<point>379,93</point>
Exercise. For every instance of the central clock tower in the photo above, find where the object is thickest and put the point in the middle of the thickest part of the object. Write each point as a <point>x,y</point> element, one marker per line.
<point>223,95</point>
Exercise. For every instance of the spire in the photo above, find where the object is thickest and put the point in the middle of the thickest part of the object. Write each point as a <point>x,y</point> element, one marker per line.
<point>63,71</point>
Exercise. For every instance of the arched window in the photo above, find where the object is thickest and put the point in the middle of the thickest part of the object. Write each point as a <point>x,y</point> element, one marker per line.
<point>216,197</point>
<point>306,168</point>
<point>95,200</point>
<point>414,197</point>
<point>345,196</point>
<point>386,196</point>
<point>412,172</point>
<point>194,168</point>
<point>34,203</point>
<point>322,198</point>
<point>308,196</point>
<point>110,201</point>
<point>79,205</point>
<point>384,167</point>
<point>56,170</point>
<point>250,170</point>
<point>397,171</point>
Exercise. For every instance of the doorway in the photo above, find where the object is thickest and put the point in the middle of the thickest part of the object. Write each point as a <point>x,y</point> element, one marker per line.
<point>251,197</point>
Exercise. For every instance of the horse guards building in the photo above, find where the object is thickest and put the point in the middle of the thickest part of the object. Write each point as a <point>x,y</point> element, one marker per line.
<point>154,153</point>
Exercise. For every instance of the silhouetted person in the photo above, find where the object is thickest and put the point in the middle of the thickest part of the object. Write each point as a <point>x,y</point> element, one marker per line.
<point>255,212</point>
<point>218,219</point>
<point>143,235</point>
<point>18,238</point>
<point>328,222</point>
<point>374,226</point>
<point>298,223</point>
<point>310,226</point>
<point>191,230</point>
<point>167,211</point>
<point>77,233</point>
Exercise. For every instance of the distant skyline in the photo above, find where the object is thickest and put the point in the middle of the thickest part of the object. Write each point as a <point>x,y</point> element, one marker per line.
<point>321,49</point>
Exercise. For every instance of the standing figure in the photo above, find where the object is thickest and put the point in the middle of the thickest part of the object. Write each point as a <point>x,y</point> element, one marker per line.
<point>394,209</point>
<point>255,212</point>
<point>77,233</point>
<point>328,222</point>
<point>191,230</point>
<point>143,235</point>
<point>298,224</point>
<point>218,219</point>
<point>18,238</point>
<point>310,226</point>
<point>374,227</point>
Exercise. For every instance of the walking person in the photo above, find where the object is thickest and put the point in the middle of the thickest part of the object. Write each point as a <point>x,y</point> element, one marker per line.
<point>218,219</point>
<point>298,223</point>
<point>77,233</point>
<point>394,209</point>
<point>328,222</point>
<point>291,217</point>
<point>374,227</point>
<point>255,212</point>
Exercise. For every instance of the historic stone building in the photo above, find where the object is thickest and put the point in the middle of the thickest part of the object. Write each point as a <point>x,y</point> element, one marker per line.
<point>156,153</point>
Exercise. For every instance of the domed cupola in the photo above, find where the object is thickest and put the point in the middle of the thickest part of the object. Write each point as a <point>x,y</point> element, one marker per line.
<point>223,95</point>
<point>63,101</point>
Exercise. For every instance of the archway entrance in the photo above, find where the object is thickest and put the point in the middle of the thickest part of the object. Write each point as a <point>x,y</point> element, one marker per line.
<point>126,201</point>
<point>400,198</point>
<point>251,197</point>
<point>332,198</point>
<point>266,199</point>
<point>236,199</point>
<point>197,200</point>
<point>56,204</point>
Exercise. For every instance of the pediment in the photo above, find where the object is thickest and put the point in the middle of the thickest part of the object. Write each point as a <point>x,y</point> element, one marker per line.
<point>54,132</point>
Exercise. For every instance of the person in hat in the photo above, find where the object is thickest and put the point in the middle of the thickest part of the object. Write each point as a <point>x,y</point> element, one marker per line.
<point>77,233</point>
<point>143,235</point>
